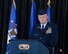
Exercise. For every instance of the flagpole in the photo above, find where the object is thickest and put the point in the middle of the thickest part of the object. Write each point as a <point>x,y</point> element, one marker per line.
<point>48,3</point>
<point>14,3</point>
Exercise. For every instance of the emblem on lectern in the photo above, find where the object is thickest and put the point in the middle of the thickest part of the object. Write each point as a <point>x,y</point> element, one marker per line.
<point>24,46</point>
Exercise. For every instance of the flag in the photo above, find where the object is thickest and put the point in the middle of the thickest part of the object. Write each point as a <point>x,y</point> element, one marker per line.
<point>32,17</point>
<point>12,31</point>
<point>48,11</point>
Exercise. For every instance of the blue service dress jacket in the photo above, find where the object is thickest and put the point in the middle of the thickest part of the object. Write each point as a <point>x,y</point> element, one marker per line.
<point>48,36</point>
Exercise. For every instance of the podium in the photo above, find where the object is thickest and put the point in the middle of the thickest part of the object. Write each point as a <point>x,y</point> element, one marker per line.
<point>27,47</point>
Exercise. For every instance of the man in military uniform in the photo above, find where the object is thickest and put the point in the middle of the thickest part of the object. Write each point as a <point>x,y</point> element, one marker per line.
<point>45,32</point>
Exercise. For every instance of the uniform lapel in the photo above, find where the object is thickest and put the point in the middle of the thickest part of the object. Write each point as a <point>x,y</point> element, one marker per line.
<point>46,27</point>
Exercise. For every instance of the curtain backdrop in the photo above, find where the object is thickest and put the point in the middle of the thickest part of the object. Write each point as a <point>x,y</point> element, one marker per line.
<point>58,16</point>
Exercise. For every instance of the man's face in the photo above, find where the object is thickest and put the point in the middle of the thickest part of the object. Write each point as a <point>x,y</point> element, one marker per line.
<point>43,18</point>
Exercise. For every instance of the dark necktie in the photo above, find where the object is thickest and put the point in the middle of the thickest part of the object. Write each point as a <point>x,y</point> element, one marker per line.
<point>42,27</point>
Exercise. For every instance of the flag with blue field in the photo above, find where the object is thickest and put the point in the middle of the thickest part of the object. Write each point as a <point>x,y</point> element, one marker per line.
<point>48,11</point>
<point>12,30</point>
<point>32,17</point>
